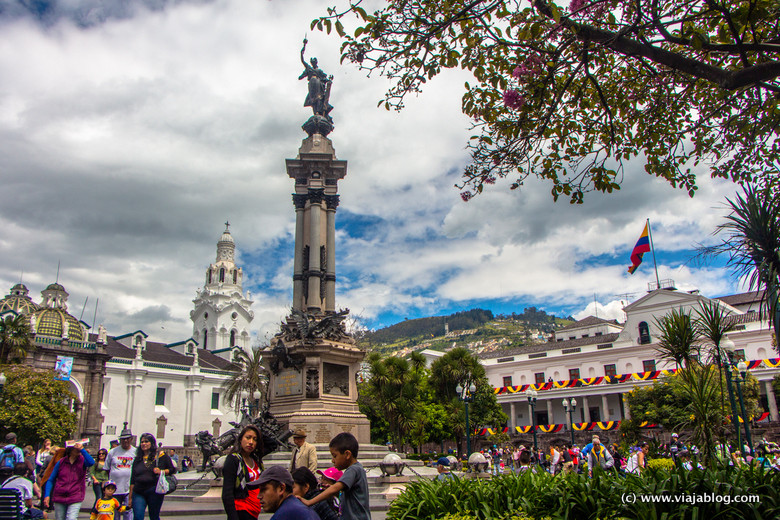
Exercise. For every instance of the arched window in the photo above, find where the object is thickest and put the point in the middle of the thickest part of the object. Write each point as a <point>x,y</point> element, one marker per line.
<point>138,340</point>
<point>233,338</point>
<point>644,333</point>
<point>235,276</point>
<point>208,276</point>
<point>205,339</point>
<point>221,275</point>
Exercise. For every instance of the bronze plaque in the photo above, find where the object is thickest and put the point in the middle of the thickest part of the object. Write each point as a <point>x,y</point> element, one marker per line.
<point>335,379</point>
<point>288,382</point>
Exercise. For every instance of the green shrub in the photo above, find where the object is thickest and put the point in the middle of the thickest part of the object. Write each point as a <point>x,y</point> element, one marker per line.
<point>664,464</point>
<point>530,496</point>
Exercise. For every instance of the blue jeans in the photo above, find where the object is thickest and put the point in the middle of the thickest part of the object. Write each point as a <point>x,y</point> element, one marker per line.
<point>66,511</point>
<point>146,498</point>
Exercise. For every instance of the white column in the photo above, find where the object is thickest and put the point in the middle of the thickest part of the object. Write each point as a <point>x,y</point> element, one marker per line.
<point>605,408</point>
<point>530,415</point>
<point>300,202</point>
<point>550,419</point>
<point>626,409</point>
<point>314,302</point>
<point>770,397</point>
<point>512,417</point>
<point>330,249</point>
<point>586,408</point>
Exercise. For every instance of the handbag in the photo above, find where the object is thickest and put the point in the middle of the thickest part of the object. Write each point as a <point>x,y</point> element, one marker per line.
<point>166,484</point>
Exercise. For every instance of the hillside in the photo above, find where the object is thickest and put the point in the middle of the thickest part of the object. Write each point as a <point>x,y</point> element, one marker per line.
<point>477,329</point>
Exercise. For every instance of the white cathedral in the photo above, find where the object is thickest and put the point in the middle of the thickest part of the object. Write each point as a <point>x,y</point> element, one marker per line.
<point>170,390</point>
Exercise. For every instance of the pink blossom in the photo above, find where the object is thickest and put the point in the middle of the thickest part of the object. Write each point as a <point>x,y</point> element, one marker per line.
<point>513,100</point>
<point>576,5</point>
<point>466,195</point>
<point>489,180</point>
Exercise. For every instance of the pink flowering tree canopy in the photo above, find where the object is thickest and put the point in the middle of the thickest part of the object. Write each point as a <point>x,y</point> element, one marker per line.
<point>570,93</point>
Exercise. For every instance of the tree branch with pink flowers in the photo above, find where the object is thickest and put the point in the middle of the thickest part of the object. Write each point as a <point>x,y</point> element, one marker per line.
<point>569,94</point>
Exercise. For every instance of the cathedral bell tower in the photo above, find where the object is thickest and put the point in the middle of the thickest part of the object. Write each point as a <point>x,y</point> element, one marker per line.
<point>222,313</point>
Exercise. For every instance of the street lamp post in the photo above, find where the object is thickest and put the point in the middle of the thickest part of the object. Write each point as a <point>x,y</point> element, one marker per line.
<point>570,405</point>
<point>251,406</point>
<point>742,369</point>
<point>728,347</point>
<point>531,395</point>
<point>467,395</point>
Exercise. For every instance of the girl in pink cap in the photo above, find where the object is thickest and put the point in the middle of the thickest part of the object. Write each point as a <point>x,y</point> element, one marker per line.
<point>327,478</point>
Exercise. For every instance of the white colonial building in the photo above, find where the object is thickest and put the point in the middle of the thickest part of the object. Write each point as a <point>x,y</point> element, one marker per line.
<point>170,390</point>
<point>175,390</point>
<point>597,361</point>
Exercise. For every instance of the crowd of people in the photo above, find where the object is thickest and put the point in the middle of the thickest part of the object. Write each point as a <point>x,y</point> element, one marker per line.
<point>55,479</point>
<point>566,457</point>
<point>296,493</point>
<point>125,479</point>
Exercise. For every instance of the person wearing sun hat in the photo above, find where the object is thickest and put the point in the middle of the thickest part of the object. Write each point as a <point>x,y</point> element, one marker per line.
<point>304,455</point>
<point>119,462</point>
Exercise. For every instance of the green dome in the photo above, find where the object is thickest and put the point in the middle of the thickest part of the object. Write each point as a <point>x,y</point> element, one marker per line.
<point>49,322</point>
<point>18,301</point>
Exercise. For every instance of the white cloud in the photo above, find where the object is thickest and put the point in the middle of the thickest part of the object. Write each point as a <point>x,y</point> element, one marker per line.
<point>127,138</point>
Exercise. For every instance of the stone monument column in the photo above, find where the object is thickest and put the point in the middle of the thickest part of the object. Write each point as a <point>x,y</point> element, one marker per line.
<point>315,245</point>
<point>330,266</point>
<point>300,204</point>
<point>313,362</point>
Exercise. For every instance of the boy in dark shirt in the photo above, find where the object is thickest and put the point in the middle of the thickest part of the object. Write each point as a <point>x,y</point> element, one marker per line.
<point>354,503</point>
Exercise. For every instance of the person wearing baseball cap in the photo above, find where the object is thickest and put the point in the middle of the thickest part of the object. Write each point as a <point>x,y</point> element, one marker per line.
<point>304,455</point>
<point>276,487</point>
<point>443,467</point>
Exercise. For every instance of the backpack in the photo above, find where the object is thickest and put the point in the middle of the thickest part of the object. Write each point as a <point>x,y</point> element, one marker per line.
<point>8,458</point>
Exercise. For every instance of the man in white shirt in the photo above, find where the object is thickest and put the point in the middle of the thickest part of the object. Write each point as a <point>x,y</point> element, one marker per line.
<point>120,465</point>
<point>25,487</point>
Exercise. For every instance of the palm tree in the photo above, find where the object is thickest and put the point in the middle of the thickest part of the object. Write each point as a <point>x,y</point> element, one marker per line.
<point>395,387</point>
<point>752,244</point>
<point>249,376</point>
<point>712,326</point>
<point>15,338</point>
<point>677,337</point>
<point>706,416</point>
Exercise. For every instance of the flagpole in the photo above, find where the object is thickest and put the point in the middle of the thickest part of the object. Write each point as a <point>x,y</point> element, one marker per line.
<point>652,248</point>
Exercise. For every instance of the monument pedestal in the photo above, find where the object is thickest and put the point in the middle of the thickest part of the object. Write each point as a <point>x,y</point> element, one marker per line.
<point>320,394</point>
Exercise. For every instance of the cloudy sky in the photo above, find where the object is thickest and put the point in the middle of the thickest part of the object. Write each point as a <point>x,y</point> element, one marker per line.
<point>131,130</point>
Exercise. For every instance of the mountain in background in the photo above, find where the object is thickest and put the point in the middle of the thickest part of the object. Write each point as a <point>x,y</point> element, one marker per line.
<point>477,329</point>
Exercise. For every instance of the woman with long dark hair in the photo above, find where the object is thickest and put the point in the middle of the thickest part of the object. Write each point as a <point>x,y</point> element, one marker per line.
<point>98,473</point>
<point>146,470</point>
<point>243,466</point>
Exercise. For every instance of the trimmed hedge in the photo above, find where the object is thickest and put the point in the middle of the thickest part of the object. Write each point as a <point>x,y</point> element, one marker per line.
<point>606,496</point>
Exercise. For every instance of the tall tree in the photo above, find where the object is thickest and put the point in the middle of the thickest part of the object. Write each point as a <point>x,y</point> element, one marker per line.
<point>460,367</point>
<point>677,341</point>
<point>569,94</point>
<point>752,243</point>
<point>249,376</point>
<point>15,338</point>
<point>394,386</point>
<point>36,406</point>
<point>711,326</point>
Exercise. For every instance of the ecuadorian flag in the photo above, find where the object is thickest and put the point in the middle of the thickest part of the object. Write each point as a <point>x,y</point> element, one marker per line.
<point>642,246</point>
